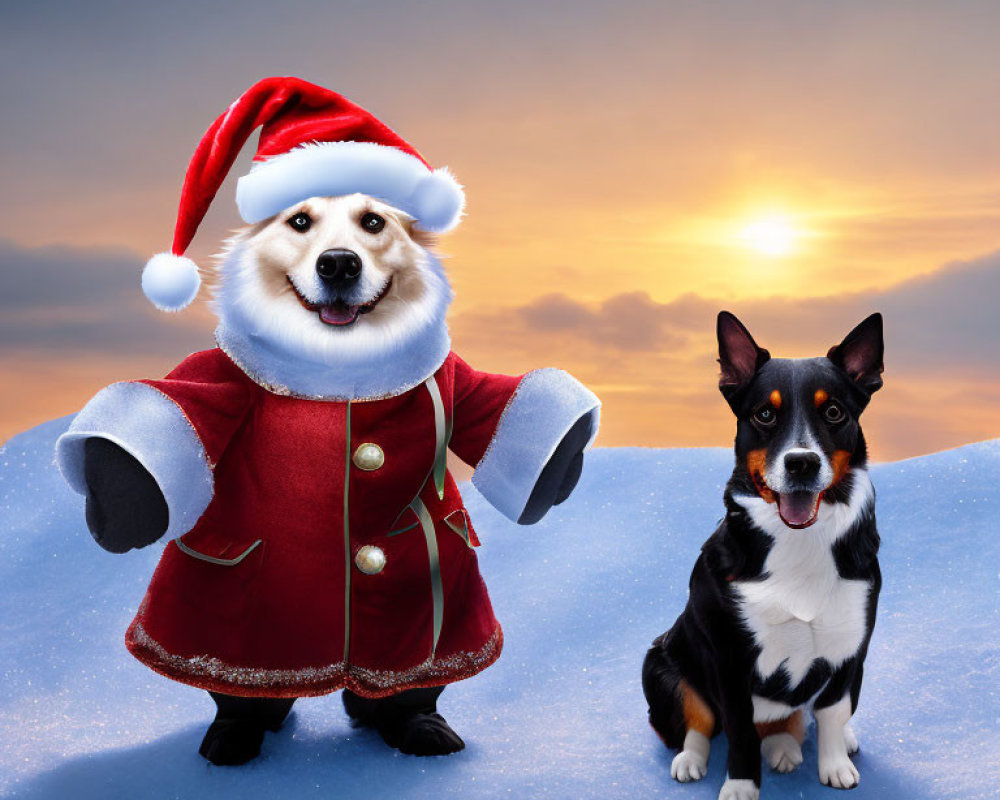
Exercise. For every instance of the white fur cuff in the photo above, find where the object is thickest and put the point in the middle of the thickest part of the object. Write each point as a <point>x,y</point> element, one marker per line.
<point>547,403</point>
<point>153,429</point>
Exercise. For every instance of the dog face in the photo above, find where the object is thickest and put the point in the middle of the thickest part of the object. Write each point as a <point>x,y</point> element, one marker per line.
<point>798,431</point>
<point>332,281</point>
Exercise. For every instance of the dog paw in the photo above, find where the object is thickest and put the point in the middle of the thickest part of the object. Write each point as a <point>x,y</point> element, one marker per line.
<point>782,752</point>
<point>851,740</point>
<point>229,743</point>
<point>428,735</point>
<point>839,773</point>
<point>739,789</point>
<point>688,766</point>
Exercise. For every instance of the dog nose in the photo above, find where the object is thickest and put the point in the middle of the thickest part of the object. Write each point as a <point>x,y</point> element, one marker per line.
<point>338,268</point>
<point>802,465</point>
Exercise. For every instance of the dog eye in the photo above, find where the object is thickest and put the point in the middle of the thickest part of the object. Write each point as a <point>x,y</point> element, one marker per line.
<point>765,416</point>
<point>834,413</point>
<point>300,222</point>
<point>372,223</point>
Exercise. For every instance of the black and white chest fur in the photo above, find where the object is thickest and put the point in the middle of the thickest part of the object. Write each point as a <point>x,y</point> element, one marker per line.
<point>810,608</point>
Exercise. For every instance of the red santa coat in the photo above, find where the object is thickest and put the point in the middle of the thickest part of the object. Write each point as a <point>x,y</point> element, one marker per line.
<point>323,544</point>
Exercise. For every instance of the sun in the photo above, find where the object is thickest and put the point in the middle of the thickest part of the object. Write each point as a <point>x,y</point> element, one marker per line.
<point>772,236</point>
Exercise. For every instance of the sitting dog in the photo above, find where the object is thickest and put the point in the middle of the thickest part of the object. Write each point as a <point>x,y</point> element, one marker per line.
<point>783,596</point>
<point>317,540</point>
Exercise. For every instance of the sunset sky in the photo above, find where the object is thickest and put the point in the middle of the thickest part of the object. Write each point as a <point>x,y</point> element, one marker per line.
<point>631,169</point>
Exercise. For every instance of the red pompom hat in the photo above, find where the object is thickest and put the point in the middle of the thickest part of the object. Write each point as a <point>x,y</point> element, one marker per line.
<point>313,143</point>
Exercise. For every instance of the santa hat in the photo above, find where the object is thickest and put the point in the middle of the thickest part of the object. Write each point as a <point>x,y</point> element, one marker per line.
<point>313,142</point>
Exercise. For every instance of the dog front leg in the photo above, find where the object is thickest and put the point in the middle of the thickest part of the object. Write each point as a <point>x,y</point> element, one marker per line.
<point>834,738</point>
<point>835,767</point>
<point>743,765</point>
<point>850,739</point>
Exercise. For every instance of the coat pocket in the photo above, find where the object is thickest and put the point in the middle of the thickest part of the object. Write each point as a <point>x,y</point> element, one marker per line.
<point>206,594</point>
<point>229,556</point>
<point>458,521</point>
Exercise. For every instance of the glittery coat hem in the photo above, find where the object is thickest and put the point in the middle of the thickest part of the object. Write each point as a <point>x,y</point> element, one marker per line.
<point>212,674</point>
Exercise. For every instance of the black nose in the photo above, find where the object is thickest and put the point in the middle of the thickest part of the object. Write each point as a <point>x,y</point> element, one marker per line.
<point>802,465</point>
<point>338,268</point>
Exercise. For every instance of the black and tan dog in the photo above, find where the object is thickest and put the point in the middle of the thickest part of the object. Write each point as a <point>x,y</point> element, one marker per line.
<point>783,596</point>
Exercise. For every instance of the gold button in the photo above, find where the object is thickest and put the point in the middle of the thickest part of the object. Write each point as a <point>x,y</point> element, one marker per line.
<point>368,457</point>
<point>370,559</point>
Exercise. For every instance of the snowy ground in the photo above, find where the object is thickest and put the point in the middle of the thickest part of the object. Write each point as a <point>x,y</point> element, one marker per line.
<point>561,715</point>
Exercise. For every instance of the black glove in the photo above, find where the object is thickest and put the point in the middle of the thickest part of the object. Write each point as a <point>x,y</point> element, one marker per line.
<point>125,508</point>
<point>560,474</point>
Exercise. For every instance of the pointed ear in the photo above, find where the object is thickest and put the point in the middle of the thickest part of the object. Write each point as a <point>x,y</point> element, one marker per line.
<point>739,355</point>
<point>860,354</point>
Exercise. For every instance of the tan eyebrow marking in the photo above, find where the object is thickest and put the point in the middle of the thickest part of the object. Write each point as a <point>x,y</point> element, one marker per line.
<point>775,398</point>
<point>820,397</point>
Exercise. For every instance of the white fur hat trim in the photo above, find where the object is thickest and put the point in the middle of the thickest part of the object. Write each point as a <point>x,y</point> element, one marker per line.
<point>329,169</point>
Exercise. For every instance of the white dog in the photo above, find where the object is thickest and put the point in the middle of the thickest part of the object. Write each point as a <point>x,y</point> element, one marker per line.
<point>376,309</point>
<point>318,541</point>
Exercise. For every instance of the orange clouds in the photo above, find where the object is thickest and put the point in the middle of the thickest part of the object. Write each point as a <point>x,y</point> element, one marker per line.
<point>652,363</point>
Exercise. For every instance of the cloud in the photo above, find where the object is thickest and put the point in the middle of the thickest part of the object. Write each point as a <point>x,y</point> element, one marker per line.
<point>68,301</point>
<point>942,320</point>
<point>945,319</point>
<point>605,325</point>
<point>73,319</point>
<point>40,277</point>
<point>653,364</point>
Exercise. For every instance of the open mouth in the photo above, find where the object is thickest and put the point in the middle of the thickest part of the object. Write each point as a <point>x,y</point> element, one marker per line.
<point>338,313</point>
<point>799,509</point>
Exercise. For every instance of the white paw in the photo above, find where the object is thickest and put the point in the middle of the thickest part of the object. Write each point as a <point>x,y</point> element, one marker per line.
<point>688,766</point>
<point>782,752</point>
<point>739,789</point>
<point>851,740</point>
<point>839,773</point>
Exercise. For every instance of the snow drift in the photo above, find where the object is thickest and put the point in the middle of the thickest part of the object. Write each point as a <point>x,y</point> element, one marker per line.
<point>561,715</point>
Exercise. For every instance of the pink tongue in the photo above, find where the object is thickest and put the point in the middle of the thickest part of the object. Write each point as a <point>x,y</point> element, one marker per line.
<point>338,314</point>
<point>797,508</point>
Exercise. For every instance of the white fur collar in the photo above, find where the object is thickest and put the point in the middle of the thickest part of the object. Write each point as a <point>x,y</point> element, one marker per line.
<point>374,380</point>
<point>277,351</point>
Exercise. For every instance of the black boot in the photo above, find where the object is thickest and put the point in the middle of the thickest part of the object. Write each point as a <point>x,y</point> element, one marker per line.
<point>236,734</point>
<point>407,721</point>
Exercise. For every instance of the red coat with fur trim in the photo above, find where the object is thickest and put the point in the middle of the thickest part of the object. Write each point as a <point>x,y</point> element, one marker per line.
<point>263,596</point>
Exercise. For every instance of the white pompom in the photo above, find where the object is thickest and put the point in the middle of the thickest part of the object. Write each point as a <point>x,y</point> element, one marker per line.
<point>170,282</point>
<point>438,201</point>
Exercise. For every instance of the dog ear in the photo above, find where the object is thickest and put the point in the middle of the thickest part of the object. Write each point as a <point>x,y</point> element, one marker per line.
<point>860,354</point>
<point>739,355</point>
<point>424,239</point>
